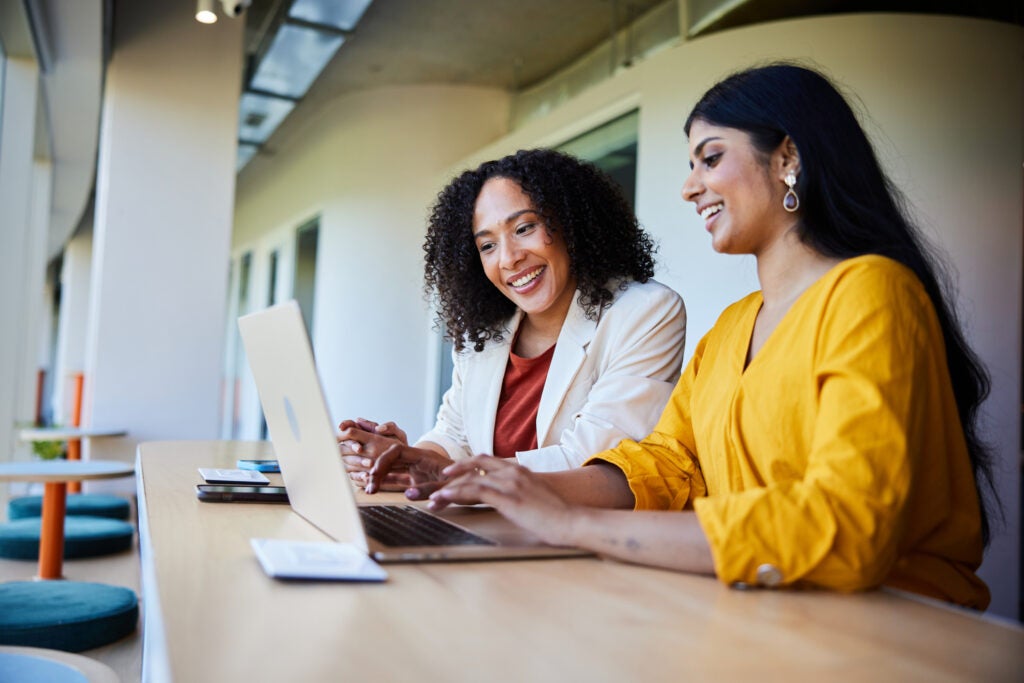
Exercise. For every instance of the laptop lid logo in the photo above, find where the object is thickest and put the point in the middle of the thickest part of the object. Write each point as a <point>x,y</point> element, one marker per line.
<point>293,422</point>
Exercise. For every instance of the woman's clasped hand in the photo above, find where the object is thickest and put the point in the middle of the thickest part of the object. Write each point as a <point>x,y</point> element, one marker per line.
<point>379,458</point>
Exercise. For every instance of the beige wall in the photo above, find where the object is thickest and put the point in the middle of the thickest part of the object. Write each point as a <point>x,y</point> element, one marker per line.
<point>942,97</point>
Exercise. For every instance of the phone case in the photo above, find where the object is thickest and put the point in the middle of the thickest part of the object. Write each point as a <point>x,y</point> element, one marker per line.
<point>241,494</point>
<point>258,465</point>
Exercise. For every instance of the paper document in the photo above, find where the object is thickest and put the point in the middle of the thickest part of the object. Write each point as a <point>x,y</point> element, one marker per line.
<point>315,560</point>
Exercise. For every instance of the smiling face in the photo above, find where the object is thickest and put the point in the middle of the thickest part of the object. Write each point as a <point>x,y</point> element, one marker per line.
<point>735,189</point>
<point>522,257</point>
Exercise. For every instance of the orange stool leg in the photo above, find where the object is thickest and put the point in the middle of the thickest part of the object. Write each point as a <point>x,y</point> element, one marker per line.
<point>51,534</point>
<point>75,445</point>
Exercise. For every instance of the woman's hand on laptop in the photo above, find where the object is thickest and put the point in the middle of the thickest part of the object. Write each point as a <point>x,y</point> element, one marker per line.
<point>517,493</point>
<point>397,482</point>
<point>424,465</point>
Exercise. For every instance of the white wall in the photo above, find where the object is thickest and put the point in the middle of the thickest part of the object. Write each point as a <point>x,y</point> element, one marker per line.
<point>37,310</point>
<point>368,166</point>
<point>944,99</point>
<point>164,196</point>
<point>17,244</point>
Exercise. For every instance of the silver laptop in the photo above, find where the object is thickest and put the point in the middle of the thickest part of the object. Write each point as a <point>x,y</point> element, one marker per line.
<point>319,488</point>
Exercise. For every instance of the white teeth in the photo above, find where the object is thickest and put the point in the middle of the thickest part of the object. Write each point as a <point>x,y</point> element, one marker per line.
<point>710,211</point>
<point>526,278</point>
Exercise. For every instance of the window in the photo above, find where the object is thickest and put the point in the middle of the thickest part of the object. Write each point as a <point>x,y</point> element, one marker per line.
<point>239,275</point>
<point>612,148</point>
<point>271,300</point>
<point>304,288</point>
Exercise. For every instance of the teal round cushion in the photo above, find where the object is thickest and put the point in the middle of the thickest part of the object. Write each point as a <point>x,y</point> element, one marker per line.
<point>65,615</point>
<point>90,504</point>
<point>19,667</point>
<point>83,537</point>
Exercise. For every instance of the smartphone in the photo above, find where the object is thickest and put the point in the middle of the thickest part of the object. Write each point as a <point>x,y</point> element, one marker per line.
<point>258,465</point>
<point>216,493</point>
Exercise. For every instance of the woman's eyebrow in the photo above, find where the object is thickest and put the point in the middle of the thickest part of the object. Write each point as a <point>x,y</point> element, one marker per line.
<point>700,145</point>
<point>508,219</point>
<point>512,216</point>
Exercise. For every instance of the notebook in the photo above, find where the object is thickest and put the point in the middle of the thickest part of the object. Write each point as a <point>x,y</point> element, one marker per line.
<point>319,489</point>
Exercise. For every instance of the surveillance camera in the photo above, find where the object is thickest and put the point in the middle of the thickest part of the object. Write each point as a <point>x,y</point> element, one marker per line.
<point>234,8</point>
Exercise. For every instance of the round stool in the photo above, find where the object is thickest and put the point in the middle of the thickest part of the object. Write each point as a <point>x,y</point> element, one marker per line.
<point>65,615</point>
<point>38,664</point>
<point>88,504</point>
<point>83,537</point>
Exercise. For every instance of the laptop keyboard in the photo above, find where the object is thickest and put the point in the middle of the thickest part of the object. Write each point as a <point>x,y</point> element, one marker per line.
<point>404,525</point>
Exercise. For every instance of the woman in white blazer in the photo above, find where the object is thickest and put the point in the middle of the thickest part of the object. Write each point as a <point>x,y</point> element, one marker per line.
<point>564,345</point>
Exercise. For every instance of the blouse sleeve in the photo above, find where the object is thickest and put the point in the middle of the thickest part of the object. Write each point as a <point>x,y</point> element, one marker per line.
<point>880,371</point>
<point>662,469</point>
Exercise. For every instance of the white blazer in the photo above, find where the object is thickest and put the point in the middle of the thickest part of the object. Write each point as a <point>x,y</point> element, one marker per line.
<point>609,380</point>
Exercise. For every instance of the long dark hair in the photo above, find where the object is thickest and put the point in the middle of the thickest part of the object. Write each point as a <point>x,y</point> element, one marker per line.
<point>585,205</point>
<point>849,207</point>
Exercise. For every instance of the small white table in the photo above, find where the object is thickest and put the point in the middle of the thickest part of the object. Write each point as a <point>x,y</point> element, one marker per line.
<point>74,436</point>
<point>65,433</point>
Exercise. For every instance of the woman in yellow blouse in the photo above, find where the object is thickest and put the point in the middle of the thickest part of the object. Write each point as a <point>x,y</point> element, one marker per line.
<point>824,433</point>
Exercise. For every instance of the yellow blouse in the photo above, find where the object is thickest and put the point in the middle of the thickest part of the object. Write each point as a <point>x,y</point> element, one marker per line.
<point>836,458</point>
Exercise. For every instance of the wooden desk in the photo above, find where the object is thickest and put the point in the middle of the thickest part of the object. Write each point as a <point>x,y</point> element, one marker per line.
<point>211,613</point>
<point>56,474</point>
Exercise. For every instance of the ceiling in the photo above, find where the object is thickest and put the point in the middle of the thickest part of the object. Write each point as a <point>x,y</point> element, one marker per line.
<point>515,44</point>
<point>503,43</point>
<point>509,44</point>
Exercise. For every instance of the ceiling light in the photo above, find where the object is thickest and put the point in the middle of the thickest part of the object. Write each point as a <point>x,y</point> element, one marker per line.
<point>205,13</point>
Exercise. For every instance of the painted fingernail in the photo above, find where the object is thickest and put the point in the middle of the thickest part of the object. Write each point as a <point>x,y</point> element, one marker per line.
<point>366,462</point>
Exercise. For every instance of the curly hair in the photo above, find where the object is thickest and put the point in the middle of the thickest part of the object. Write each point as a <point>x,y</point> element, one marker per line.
<point>577,199</point>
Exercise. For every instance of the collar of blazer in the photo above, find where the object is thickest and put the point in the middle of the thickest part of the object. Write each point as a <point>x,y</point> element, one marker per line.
<point>570,352</point>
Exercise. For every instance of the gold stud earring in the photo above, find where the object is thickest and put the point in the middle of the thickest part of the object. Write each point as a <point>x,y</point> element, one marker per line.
<point>790,202</point>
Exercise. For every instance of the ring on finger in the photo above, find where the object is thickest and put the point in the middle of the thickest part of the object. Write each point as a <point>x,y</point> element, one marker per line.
<point>481,471</point>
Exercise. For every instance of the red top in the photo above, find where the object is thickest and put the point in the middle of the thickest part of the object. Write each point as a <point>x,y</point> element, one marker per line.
<point>515,425</point>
